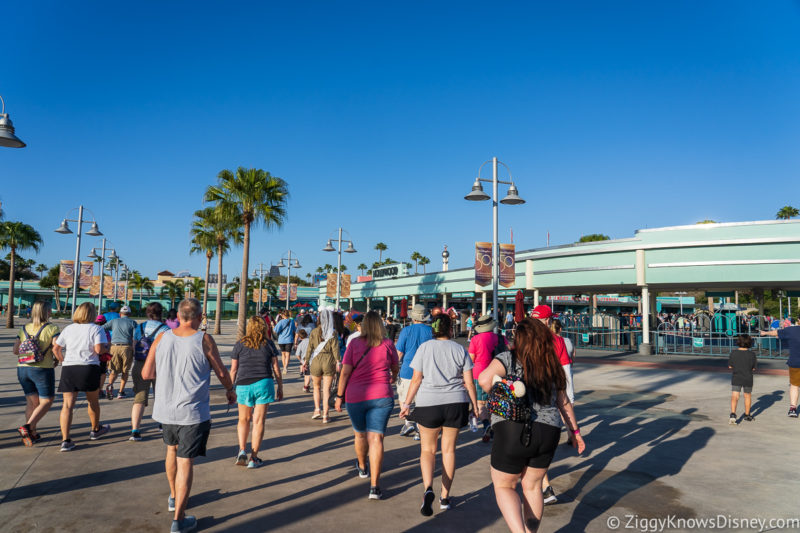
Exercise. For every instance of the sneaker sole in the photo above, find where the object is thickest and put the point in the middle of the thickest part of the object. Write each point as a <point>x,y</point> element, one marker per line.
<point>27,440</point>
<point>240,462</point>
<point>374,497</point>
<point>427,504</point>
<point>550,499</point>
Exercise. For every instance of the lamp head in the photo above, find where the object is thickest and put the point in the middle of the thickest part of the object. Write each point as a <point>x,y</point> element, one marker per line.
<point>512,198</point>
<point>329,247</point>
<point>113,255</point>
<point>296,264</point>
<point>281,264</point>
<point>93,254</point>
<point>350,249</point>
<point>477,193</point>
<point>93,231</point>
<point>63,228</point>
<point>7,137</point>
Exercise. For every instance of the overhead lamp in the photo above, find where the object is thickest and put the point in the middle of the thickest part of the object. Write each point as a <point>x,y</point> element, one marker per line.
<point>7,137</point>
<point>281,264</point>
<point>63,228</point>
<point>296,264</point>
<point>350,249</point>
<point>477,194</point>
<point>93,231</point>
<point>113,255</point>
<point>93,255</point>
<point>512,198</point>
<point>329,247</point>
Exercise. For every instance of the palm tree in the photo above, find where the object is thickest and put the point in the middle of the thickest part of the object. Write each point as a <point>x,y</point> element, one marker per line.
<point>195,287</point>
<point>50,281</point>
<point>362,267</point>
<point>416,256</point>
<point>328,268</point>
<point>140,284</point>
<point>172,290</point>
<point>786,212</point>
<point>594,237</point>
<point>203,241</point>
<point>226,231</point>
<point>424,261</point>
<point>16,236</point>
<point>381,247</point>
<point>308,278</point>
<point>41,268</point>
<point>252,196</point>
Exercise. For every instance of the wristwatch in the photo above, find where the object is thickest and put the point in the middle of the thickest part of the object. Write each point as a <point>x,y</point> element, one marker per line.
<point>337,395</point>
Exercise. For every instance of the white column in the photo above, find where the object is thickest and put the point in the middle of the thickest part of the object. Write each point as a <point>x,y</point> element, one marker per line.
<point>645,347</point>
<point>535,297</point>
<point>483,303</point>
<point>368,299</point>
<point>388,305</point>
<point>444,300</point>
<point>413,300</point>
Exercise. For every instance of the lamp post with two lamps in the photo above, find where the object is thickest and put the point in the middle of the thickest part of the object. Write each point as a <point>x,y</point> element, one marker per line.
<point>93,232</point>
<point>512,198</point>
<point>289,266</point>
<point>102,257</point>
<point>349,250</point>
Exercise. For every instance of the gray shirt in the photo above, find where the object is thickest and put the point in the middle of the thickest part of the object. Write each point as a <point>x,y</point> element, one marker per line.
<point>442,363</point>
<point>546,414</point>
<point>121,330</point>
<point>183,376</point>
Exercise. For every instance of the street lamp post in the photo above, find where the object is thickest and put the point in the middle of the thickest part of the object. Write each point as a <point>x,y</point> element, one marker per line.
<point>260,274</point>
<point>93,232</point>
<point>349,250</point>
<point>102,257</point>
<point>289,266</point>
<point>127,275</point>
<point>7,137</point>
<point>512,198</point>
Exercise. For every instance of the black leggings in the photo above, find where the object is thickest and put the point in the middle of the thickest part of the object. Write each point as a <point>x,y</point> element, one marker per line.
<point>510,455</point>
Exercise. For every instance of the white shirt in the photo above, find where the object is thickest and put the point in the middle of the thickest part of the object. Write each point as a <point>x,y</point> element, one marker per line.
<point>352,336</point>
<point>78,341</point>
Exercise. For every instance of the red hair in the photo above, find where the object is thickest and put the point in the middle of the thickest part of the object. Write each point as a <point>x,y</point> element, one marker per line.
<point>535,351</point>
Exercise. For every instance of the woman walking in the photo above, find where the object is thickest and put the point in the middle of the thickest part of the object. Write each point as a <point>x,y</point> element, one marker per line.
<point>37,379</point>
<point>322,359</point>
<point>444,392</point>
<point>78,348</point>
<point>369,369</point>
<point>522,451</point>
<point>254,369</point>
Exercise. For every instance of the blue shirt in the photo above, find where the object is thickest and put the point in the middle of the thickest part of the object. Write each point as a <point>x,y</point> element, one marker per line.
<point>409,340</point>
<point>285,330</point>
<point>111,315</point>
<point>791,336</point>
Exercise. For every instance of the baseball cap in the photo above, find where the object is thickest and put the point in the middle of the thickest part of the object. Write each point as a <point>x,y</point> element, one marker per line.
<point>125,309</point>
<point>542,311</point>
<point>100,320</point>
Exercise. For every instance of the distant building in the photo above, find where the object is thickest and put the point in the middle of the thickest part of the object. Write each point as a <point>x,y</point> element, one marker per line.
<point>165,276</point>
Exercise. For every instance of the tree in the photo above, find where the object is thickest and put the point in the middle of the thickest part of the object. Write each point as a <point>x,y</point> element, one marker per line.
<point>16,236</point>
<point>203,242</point>
<point>195,287</point>
<point>328,268</point>
<point>50,281</point>
<point>424,261</point>
<point>362,267</point>
<point>786,212</point>
<point>172,290</point>
<point>41,268</point>
<point>381,247</point>
<point>141,285</point>
<point>707,221</point>
<point>416,256</point>
<point>253,197</point>
<point>594,237</point>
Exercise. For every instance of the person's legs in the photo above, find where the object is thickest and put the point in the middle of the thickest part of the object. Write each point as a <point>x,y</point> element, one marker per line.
<point>734,401</point>
<point>31,403</point>
<point>137,411</point>
<point>449,437</point>
<point>93,399</point>
<point>43,405</point>
<point>259,416</point>
<point>285,360</point>
<point>375,456</point>
<point>533,502</point>
<point>317,380</point>
<point>171,467</point>
<point>243,427</point>
<point>427,453</point>
<point>112,376</point>
<point>326,395</point>
<point>545,481</point>
<point>508,500</point>
<point>183,486</point>
<point>362,448</point>
<point>794,392</point>
<point>748,397</point>
<point>67,405</point>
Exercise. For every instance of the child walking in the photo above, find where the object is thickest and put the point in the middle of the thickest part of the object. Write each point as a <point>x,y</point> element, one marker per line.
<point>742,363</point>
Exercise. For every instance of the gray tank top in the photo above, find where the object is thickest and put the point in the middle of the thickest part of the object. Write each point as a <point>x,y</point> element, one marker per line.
<point>183,376</point>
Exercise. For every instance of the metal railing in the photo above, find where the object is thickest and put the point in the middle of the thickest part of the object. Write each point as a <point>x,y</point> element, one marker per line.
<point>715,337</point>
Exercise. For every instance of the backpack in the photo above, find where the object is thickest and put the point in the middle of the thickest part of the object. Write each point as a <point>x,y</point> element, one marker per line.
<point>142,347</point>
<point>29,349</point>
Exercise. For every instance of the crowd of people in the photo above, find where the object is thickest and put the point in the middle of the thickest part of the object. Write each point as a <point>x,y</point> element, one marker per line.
<point>348,361</point>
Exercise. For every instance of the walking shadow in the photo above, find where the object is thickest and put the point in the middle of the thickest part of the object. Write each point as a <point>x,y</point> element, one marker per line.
<point>765,401</point>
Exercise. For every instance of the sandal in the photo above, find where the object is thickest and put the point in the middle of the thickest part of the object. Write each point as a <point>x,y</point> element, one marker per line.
<point>315,415</point>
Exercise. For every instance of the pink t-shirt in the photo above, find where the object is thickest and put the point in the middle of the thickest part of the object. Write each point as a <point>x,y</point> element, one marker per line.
<point>371,377</point>
<point>482,347</point>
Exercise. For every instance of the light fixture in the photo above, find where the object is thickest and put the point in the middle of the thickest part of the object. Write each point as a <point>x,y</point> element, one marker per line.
<point>93,255</point>
<point>512,198</point>
<point>477,194</point>
<point>281,264</point>
<point>329,247</point>
<point>350,249</point>
<point>93,231</point>
<point>296,264</point>
<point>63,228</point>
<point>7,137</point>
<point>113,255</point>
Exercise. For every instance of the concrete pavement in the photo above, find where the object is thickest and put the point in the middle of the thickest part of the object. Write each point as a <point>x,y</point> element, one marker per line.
<point>658,444</point>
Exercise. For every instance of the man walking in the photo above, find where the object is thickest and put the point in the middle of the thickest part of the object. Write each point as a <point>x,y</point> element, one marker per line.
<point>410,339</point>
<point>144,337</point>
<point>182,360</point>
<point>791,336</point>
<point>121,350</point>
<point>285,329</point>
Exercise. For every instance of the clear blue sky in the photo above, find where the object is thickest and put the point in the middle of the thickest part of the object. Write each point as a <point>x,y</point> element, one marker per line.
<point>613,116</point>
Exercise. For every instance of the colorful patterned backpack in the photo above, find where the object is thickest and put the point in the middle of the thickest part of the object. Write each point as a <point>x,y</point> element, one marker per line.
<point>29,349</point>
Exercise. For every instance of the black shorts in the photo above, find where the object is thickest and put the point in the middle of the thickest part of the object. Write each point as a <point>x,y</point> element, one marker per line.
<point>509,455</point>
<point>79,378</point>
<point>190,440</point>
<point>286,347</point>
<point>451,415</point>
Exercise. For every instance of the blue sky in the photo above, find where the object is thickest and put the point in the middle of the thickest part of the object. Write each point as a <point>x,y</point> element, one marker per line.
<point>612,116</point>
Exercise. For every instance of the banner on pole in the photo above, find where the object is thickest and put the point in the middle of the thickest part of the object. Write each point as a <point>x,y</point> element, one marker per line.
<point>108,287</point>
<point>120,291</point>
<point>292,292</point>
<point>85,280</point>
<point>508,275</point>
<point>94,289</point>
<point>483,263</point>
<point>130,295</point>
<point>66,274</point>
<point>236,297</point>
<point>345,292</point>
<point>330,289</point>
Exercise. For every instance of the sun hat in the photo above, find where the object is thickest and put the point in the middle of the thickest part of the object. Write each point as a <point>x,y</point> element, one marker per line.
<point>484,324</point>
<point>419,313</point>
<point>542,311</point>
<point>125,310</point>
<point>100,320</point>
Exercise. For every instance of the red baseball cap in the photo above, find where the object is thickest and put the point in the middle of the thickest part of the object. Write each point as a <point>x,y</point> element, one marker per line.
<point>542,311</point>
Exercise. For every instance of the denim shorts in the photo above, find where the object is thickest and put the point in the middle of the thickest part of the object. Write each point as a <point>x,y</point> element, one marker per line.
<point>41,381</point>
<point>481,395</point>
<point>370,415</point>
<point>258,393</point>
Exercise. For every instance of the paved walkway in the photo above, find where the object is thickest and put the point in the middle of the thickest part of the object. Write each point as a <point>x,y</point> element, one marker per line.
<point>658,439</point>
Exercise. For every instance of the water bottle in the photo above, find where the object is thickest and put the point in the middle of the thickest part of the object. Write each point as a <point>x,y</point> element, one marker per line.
<point>473,423</point>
